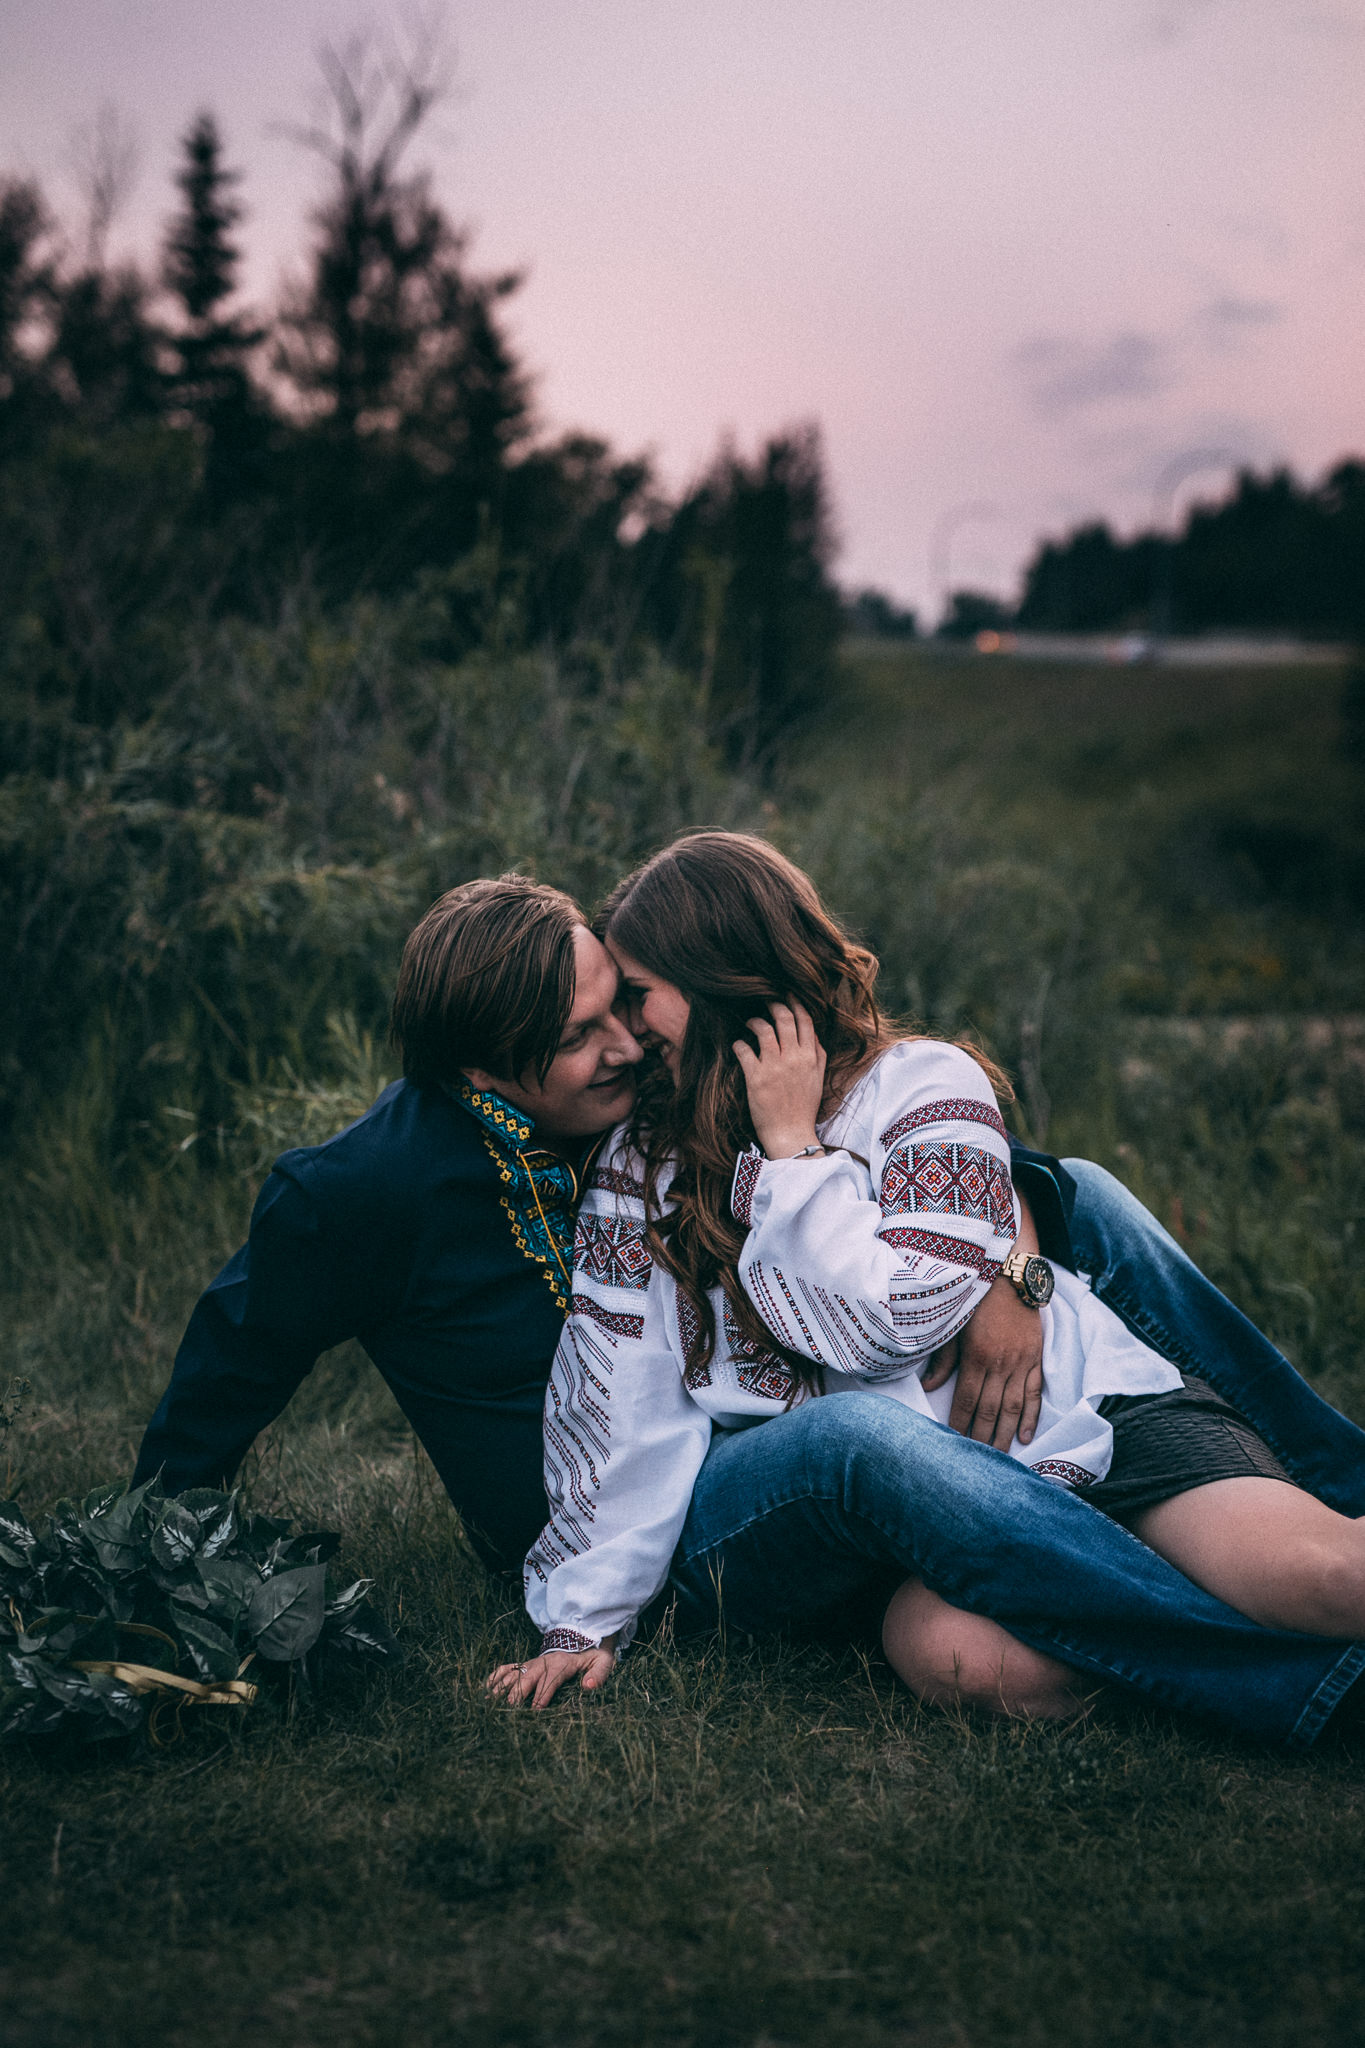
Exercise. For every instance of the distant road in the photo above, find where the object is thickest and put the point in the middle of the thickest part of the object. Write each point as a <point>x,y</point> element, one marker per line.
<point>1221,650</point>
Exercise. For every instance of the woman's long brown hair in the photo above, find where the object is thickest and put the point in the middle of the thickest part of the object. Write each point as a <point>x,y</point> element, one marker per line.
<point>736,927</point>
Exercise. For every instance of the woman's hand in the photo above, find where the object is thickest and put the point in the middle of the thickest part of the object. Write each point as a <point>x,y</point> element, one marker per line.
<point>785,1079</point>
<point>998,1360</point>
<point>539,1678</point>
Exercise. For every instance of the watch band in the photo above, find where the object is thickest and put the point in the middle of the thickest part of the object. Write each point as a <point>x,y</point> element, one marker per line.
<point>1031,1277</point>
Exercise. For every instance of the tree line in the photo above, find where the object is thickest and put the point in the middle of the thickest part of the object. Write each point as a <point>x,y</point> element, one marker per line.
<point>1276,555</point>
<point>168,456</point>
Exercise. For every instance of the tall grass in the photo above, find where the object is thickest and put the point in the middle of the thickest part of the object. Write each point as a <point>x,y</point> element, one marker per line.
<point>735,1844</point>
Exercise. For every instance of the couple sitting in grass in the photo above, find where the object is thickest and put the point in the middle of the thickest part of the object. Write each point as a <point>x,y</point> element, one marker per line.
<point>1065,1480</point>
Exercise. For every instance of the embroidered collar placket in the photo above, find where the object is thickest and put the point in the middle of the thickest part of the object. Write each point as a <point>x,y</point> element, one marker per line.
<point>539,1187</point>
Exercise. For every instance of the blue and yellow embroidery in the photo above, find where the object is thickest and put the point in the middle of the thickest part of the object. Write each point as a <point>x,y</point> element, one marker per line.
<point>539,1188</point>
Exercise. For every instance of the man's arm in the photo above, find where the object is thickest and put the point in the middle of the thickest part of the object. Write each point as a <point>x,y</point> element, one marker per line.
<point>289,1294</point>
<point>998,1360</point>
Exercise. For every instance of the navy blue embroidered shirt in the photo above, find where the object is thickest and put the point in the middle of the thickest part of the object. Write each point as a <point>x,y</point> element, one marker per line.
<point>434,1232</point>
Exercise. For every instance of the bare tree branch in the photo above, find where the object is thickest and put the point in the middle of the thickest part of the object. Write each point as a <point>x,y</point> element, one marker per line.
<point>104,156</point>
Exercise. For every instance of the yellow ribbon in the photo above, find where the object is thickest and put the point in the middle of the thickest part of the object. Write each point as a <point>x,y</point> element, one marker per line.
<point>140,1678</point>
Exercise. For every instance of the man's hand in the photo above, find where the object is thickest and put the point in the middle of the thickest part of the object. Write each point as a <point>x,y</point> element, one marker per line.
<point>785,1079</point>
<point>539,1678</point>
<point>998,1360</point>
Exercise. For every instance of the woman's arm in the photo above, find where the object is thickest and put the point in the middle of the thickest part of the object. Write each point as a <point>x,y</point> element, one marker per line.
<point>624,1442</point>
<point>874,1284</point>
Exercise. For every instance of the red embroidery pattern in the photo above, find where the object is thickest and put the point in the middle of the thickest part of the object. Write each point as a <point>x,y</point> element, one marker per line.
<point>770,1382</point>
<point>948,1179</point>
<point>612,1180</point>
<point>567,1446</point>
<point>956,1109</point>
<point>1062,1468</point>
<point>696,1373</point>
<point>747,1170</point>
<point>612,1249</point>
<point>932,1244</point>
<point>616,1321</point>
<point>841,1321</point>
<point>810,1347</point>
<point>756,1370</point>
<point>565,1639</point>
<point>765,1300</point>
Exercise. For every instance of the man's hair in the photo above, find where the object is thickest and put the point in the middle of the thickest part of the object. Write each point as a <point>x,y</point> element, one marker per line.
<point>486,980</point>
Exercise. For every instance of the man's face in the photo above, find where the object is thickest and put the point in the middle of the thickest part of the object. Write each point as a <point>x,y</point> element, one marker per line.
<point>590,1083</point>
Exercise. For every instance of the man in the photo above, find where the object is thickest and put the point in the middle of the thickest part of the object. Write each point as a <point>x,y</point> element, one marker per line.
<point>438,1230</point>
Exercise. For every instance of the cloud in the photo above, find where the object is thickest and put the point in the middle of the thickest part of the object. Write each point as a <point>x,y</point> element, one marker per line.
<point>1130,462</point>
<point>1234,314</point>
<point>1065,376</point>
<point>1170,22</point>
<point>1333,27</point>
<point>1260,230</point>
<point>1227,323</point>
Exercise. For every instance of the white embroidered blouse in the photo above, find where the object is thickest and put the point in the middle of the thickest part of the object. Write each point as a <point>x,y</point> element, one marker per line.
<point>865,1260</point>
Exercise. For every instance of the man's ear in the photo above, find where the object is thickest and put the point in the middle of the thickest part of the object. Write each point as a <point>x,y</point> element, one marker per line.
<point>481,1078</point>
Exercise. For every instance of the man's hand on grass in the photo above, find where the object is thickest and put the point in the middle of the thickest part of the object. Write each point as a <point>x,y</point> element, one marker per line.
<point>540,1678</point>
<point>998,1360</point>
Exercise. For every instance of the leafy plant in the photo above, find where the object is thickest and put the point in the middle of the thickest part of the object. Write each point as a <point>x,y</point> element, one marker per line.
<point>127,1602</point>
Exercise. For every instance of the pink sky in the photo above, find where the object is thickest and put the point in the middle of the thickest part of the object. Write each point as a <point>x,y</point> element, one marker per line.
<point>1014,258</point>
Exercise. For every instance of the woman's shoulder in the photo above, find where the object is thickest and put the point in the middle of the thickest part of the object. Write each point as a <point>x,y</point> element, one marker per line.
<point>915,1082</point>
<point>615,1178</point>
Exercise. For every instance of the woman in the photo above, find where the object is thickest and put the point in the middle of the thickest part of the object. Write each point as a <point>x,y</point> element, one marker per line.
<point>720,1281</point>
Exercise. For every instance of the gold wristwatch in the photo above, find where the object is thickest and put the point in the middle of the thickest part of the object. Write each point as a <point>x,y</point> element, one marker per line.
<point>1030,1277</point>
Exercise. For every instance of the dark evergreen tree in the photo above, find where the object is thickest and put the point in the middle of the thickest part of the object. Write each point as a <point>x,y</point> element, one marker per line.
<point>27,294</point>
<point>1093,583</point>
<point>1275,556</point>
<point>211,345</point>
<point>390,340</point>
<point>971,612</point>
<point>743,589</point>
<point>106,352</point>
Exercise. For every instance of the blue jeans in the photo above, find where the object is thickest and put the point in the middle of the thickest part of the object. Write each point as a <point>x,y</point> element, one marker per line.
<point>799,1520</point>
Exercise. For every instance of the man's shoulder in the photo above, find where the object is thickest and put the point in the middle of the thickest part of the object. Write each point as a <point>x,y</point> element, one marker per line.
<point>409,1139</point>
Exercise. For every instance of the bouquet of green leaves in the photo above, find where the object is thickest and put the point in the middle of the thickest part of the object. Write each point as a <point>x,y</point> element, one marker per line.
<point>125,1604</point>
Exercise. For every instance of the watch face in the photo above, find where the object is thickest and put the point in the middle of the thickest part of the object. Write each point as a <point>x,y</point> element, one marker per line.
<point>1039,1281</point>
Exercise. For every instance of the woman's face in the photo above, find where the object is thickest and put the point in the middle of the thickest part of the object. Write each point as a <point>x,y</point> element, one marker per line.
<point>652,1008</point>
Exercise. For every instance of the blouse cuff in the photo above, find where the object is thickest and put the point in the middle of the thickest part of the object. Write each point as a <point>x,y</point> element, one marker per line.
<point>748,1167</point>
<point>565,1639</point>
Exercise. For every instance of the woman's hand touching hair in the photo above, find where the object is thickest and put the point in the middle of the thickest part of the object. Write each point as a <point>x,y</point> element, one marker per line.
<point>785,1079</point>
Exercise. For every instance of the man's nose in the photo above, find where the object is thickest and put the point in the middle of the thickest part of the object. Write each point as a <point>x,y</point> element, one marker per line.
<point>623,1049</point>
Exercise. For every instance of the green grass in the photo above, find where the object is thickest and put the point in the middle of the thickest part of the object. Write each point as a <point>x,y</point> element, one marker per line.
<point>766,1845</point>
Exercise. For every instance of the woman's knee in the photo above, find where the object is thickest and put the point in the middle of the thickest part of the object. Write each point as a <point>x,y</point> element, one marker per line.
<point>1333,1573</point>
<point>949,1657</point>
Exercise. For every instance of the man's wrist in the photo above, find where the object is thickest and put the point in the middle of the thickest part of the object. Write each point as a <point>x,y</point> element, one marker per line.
<point>1031,1277</point>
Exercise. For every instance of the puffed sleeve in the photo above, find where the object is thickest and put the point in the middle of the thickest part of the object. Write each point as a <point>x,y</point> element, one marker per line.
<point>873,1281</point>
<point>624,1440</point>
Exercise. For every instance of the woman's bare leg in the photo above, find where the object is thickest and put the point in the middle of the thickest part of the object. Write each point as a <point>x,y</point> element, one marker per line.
<point>952,1658</point>
<point>1270,1550</point>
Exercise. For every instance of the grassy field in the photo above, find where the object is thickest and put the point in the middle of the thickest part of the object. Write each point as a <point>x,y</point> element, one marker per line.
<point>1142,887</point>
